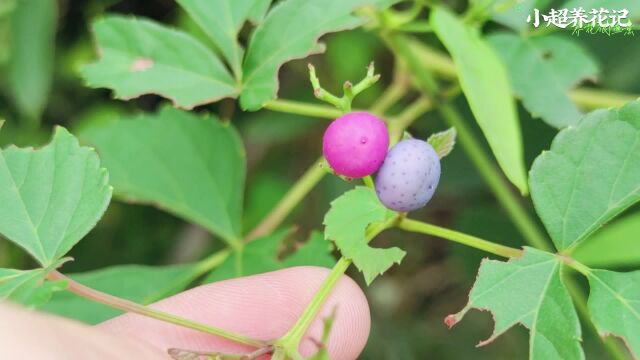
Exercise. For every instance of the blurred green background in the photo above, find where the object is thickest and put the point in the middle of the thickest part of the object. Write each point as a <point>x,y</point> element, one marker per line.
<point>43,43</point>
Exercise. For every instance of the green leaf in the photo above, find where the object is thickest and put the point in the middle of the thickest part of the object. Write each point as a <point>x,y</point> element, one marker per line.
<point>141,284</point>
<point>290,31</point>
<point>32,48</point>
<point>529,291</point>
<point>616,245</point>
<point>259,10</point>
<point>590,175</point>
<point>543,69</point>
<point>191,166</point>
<point>51,197</point>
<point>346,223</point>
<point>140,57</point>
<point>221,21</point>
<point>485,83</point>
<point>262,255</point>
<point>27,287</point>
<point>443,142</point>
<point>614,304</point>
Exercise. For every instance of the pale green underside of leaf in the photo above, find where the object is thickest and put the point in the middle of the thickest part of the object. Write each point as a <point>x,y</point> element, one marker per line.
<point>529,291</point>
<point>31,42</point>
<point>443,142</point>
<point>27,287</point>
<point>543,69</point>
<point>51,197</point>
<point>191,166</point>
<point>221,20</point>
<point>140,57</point>
<point>614,304</point>
<point>141,284</point>
<point>262,255</point>
<point>346,223</point>
<point>485,84</point>
<point>590,175</point>
<point>615,245</point>
<point>290,31</point>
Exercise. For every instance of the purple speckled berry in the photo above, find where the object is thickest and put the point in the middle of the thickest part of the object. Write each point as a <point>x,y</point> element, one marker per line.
<point>409,176</point>
<point>355,144</point>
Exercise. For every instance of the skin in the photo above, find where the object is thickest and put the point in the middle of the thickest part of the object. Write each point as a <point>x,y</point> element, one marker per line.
<point>262,306</point>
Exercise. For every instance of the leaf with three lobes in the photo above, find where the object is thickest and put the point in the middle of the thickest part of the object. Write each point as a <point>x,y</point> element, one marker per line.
<point>615,245</point>
<point>27,287</point>
<point>140,57</point>
<point>485,83</point>
<point>290,31</point>
<point>550,62</point>
<point>261,255</point>
<point>50,198</point>
<point>346,224</point>
<point>221,21</point>
<point>138,283</point>
<point>590,175</point>
<point>191,166</point>
<point>529,291</point>
<point>614,304</point>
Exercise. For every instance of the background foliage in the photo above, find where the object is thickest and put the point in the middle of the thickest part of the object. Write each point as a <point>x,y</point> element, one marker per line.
<point>40,88</point>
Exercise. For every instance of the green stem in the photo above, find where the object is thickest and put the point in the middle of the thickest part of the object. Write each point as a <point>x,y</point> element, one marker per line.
<point>298,192</point>
<point>591,99</point>
<point>129,306</point>
<point>496,182</point>
<point>291,341</point>
<point>398,124</point>
<point>394,92</point>
<point>461,238</point>
<point>301,108</point>
<point>368,182</point>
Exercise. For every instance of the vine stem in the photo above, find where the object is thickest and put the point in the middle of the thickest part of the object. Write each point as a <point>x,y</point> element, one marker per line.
<point>291,341</point>
<point>465,239</point>
<point>301,108</point>
<point>394,92</point>
<point>130,306</point>
<point>496,182</point>
<point>398,124</point>
<point>299,190</point>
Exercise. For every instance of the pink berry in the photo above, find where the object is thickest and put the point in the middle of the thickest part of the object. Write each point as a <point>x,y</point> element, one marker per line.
<point>356,144</point>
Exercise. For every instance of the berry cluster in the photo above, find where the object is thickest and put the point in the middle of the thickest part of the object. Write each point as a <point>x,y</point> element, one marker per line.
<point>355,145</point>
